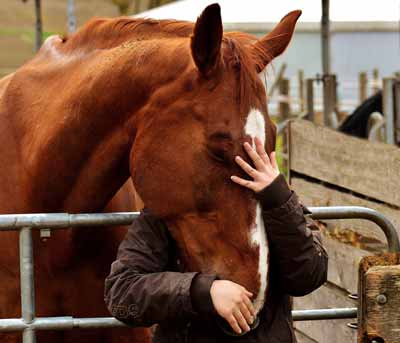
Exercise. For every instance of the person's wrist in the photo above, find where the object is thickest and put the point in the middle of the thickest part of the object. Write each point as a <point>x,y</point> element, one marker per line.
<point>200,293</point>
<point>275,194</point>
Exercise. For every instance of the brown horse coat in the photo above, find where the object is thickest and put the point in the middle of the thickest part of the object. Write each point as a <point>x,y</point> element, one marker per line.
<point>148,283</point>
<point>168,103</point>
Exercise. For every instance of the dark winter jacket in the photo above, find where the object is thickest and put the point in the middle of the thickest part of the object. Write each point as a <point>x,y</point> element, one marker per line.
<point>148,284</point>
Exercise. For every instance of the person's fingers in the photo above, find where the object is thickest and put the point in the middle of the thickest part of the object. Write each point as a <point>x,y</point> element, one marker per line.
<point>246,183</point>
<point>246,312</point>
<point>250,306</point>
<point>234,324</point>
<point>261,151</point>
<point>249,294</point>
<point>255,157</point>
<point>245,166</point>
<point>241,320</point>
<point>274,164</point>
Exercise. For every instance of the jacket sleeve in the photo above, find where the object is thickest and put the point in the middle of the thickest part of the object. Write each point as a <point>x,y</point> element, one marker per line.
<point>139,290</point>
<point>294,239</point>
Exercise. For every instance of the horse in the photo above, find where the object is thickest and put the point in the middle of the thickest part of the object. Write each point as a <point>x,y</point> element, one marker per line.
<point>165,103</point>
<point>362,122</point>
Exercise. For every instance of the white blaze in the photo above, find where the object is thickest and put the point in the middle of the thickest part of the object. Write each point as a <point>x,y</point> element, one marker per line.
<point>255,126</point>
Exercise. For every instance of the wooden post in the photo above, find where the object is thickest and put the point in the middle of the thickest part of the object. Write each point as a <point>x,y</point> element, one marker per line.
<point>363,84</point>
<point>334,93</point>
<point>284,107</point>
<point>278,78</point>
<point>284,113</point>
<point>310,99</point>
<point>38,25</point>
<point>379,300</point>
<point>375,80</point>
<point>300,80</point>
<point>330,119</point>
<point>396,91</point>
<point>388,109</point>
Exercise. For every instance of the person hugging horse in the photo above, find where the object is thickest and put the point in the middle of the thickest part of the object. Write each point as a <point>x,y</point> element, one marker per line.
<point>222,243</point>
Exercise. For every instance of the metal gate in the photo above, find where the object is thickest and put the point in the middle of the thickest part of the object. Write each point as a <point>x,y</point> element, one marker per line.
<point>25,223</point>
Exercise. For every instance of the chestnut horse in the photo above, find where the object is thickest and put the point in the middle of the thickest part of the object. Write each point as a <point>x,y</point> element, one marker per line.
<point>168,103</point>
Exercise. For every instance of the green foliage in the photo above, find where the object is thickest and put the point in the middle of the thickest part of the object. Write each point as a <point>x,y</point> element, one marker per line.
<point>281,161</point>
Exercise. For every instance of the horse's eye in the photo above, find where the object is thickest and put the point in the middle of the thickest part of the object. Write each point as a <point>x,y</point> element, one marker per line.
<point>220,146</point>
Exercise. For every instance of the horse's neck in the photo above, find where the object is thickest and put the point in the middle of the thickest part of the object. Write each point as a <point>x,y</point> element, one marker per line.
<point>73,118</point>
<point>65,139</point>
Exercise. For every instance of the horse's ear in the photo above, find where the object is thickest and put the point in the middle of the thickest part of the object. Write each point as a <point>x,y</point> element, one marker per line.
<point>206,40</point>
<point>275,42</point>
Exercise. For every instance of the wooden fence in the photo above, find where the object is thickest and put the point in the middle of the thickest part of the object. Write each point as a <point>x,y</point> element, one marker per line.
<point>328,168</point>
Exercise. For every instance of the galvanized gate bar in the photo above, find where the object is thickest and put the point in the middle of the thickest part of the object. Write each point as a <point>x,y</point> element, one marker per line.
<point>358,212</point>
<point>324,314</point>
<point>68,323</point>
<point>27,283</point>
<point>9,222</point>
<point>28,222</point>
<point>64,220</point>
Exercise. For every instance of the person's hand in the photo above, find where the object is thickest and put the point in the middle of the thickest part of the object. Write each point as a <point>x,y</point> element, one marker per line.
<point>232,302</point>
<point>265,171</point>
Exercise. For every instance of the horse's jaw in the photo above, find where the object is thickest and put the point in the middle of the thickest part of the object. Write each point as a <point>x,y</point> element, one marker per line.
<point>259,240</point>
<point>233,250</point>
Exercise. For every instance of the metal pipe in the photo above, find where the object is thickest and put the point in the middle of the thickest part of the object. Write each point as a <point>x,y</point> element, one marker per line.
<point>325,38</point>
<point>38,25</point>
<point>64,220</point>
<point>71,16</point>
<point>12,325</point>
<point>324,314</point>
<point>358,212</point>
<point>28,324</point>
<point>67,323</point>
<point>27,282</point>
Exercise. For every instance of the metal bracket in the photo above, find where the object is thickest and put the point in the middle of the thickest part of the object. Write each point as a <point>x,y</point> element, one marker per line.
<point>45,233</point>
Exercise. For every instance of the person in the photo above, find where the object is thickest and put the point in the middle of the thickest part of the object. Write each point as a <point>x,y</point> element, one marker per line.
<point>147,285</point>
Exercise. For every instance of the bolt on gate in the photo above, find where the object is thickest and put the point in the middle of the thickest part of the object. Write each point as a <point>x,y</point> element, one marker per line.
<point>25,223</point>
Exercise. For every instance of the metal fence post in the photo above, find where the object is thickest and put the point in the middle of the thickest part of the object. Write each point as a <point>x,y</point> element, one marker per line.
<point>27,283</point>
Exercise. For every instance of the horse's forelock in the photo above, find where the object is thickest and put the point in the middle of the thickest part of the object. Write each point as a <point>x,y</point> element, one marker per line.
<point>240,61</point>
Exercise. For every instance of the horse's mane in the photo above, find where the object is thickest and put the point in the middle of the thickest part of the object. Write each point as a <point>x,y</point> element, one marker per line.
<point>106,33</point>
<point>103,33</point>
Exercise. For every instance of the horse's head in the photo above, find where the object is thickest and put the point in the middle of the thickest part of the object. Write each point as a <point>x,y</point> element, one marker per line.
<point>187,136</point>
